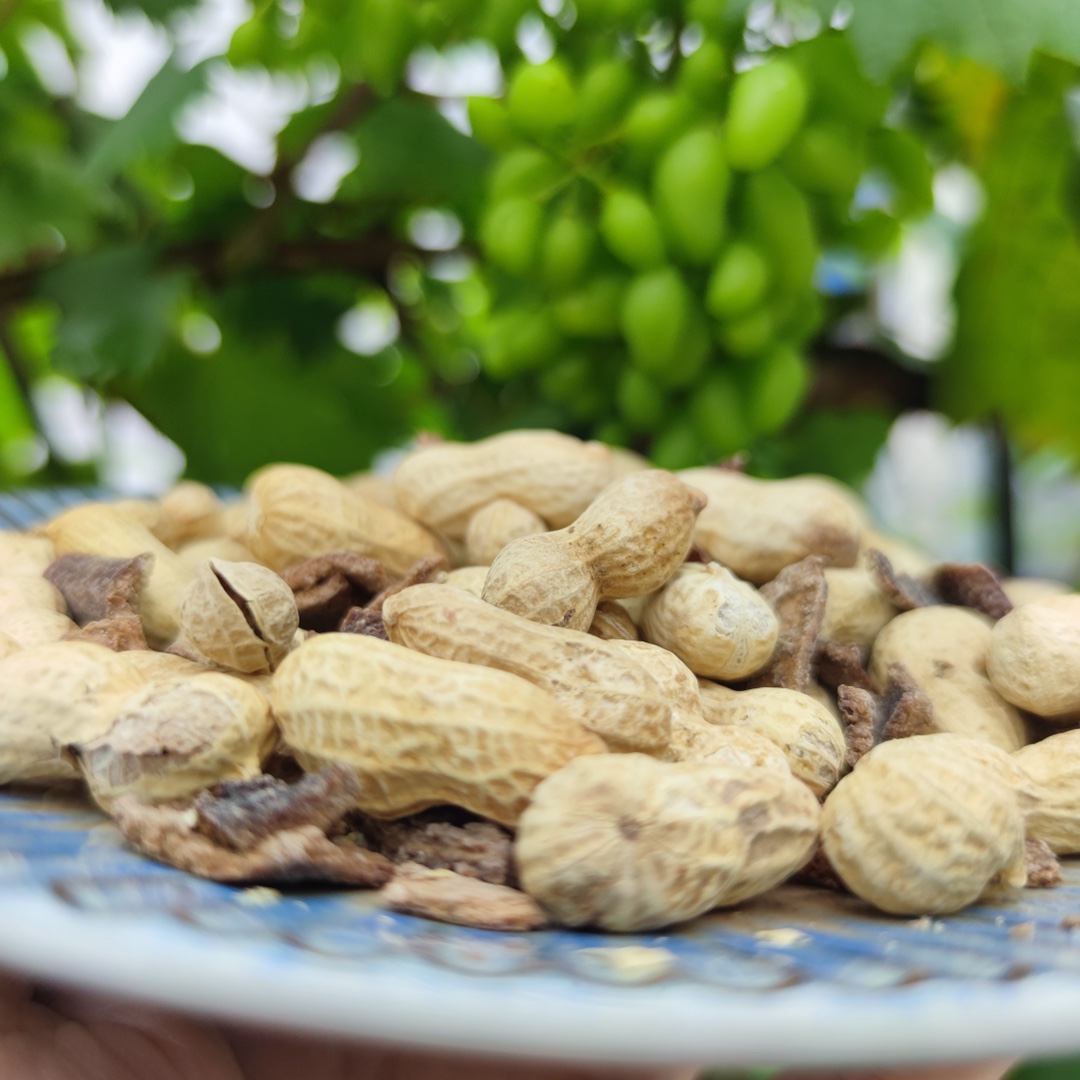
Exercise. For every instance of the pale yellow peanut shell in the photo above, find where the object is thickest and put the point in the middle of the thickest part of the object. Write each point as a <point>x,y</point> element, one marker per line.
<point>1053,766</point>
<point>296,513</point>
<point>856,610</point>
<point>807,734</point>
<point>624,462</point>
<point>921,827</point>
<point>469,578</point>
<point>629,541</point>
<point>757,527</point>
<point>714,700</point>
<point>135,668</point>
<point>599,683</point>
<point>189,511</point>
<point>53,694</point>
<point>625,842</point>
<point>101,529</point>
<point>239,615</point>
<point>1022,591</point>
<point>612,621</point>
<point>21,592</point>
<point>8,645</point>
<point>171,740</point>
<point>719,626</point>
<point>493,526</point>
<point>372,486</point>
<point>945,649</point>
<point>1034,658</point>
<point>36,626</point>
<point>904,557</point>
<point>556,476</point>
<point>195,553</point>
<point>421,731</point>
<point>22,554</point>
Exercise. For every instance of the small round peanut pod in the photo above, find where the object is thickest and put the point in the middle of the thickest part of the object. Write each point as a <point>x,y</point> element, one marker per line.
<point>922,826</point>
<point>492,527</point>
<point>196,552</point>
<point>1034,658</point>
<point>625,842</point>
<point>1024,590</point>
<point>945,650</point>
<point>693,739</point>
<point>807,734</point>
<point>1053,765</point>
<point>469,578</point>
<point>717,625</point>
<point>239,615</point>
<point>856,610</point>
<point>187,512</point>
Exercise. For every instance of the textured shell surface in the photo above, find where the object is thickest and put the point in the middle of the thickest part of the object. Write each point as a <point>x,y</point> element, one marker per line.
<point>36,626</point>
<point>20,591</point>
<point>554,475</point>
<point>856,610</point>
<point>469,578</point>
<point>945,649</point>
<point>600,683</point>
<point>189,511</point>
<point>23,554</point>
<point>492,527</point>
<point>1053,764</point>
<point>422,731</point>
<point>917,829</point>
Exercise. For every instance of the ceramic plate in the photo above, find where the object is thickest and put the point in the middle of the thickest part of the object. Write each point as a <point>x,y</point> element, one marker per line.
<point>800,977</point>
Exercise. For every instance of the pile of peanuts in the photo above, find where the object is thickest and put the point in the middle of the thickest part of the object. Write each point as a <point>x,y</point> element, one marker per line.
<point>622,667</point>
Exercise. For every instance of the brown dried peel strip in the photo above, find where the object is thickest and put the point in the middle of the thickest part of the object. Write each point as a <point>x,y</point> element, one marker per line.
<point>464,901</point>
<point>820,872</point>
<point>301,854</point>
<point>840,664</point>
<point>797,595</point>
<point>326,587</point>
<point>1043,868</point>
<point>972,585</point>
<point>360,620</point>
<point>902,590</point>
<point>240,814</point>
<point>96,588</point>
<point>903,710</point>
<point>119,633</point>
<point>418,574</point>
<point>476,849</point>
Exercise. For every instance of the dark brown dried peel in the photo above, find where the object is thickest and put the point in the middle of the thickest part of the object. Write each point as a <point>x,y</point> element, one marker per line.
<point>464,901</point>
<point>360,620</point>
<point>97,588</point>
<point>797,595</point>
<point>972,585</point>
<point>240,814</point>
<point>840,664</point>
<point>1043,868</point>
<point>901,711</point>
<point>419,573</point>
<point>119,633</point>
<point>902,590</point>
<point>300,854</point>
<point>433,838</point>
<point>326,587</point>
<point>820,872</point>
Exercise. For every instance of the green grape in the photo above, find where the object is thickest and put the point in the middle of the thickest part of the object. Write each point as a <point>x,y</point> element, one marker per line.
<point>841,90</point>
<point>565,251</point>
<point>703,74</point>
<point>249,42</point>
<point>657,119</point>
<point>631,231</point>
<point>903,158</point>
<point>602,98</point>
<point>677,446</point>
<point>738,282</point>
<point>572,383</point>
<point>510,233</point>
<point>718,413</point>
<point>690,189</point>
<point>826,157</point>
<point>593,310</point>
<point>692,354</point>
<point>765,110</point>
<point>389,35</point>
<point>527,172</point>
<point>778,218</point>
<point>654,317</point>
<point>499,22</point>
<point>748,335</point>
<point>711,14</point>
<point>490,123</point>
<point>640,401</point>
<point>801,317</point>
<point>775,388</point>
<point>541,98</point>
<point>519,340</point>
<point>873,232</point>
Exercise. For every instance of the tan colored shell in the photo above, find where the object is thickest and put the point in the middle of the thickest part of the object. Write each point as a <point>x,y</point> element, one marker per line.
<point>189,511</point>
<point>421,731</point>
<point>36,626</point>
<point>630,540</point>
<point>22,554</point>
<point>1053,766</point>
<point>469,578</point>
<point>372,486</point>
<point>8,645</point>
<point>612,622</point>
<point>599,683</point>
<point>171,740</point>
<point>719,626</point>
<point>100,529</point>
<point>624,462</point>
<point>556,476</point>
<point>856,610</point>
<point>726,744</point>
<point>19,592</point>
<point>296,513</point>
<point>492,527</point>
<point>904,557</point>
<point>52,695</point>
<point>1022,591</point>
<point>945,649</point>
<point>239,615</point>
<point>923,827</point>
<point>1034,658</point>
<point>714,700</point>
<point>136,668</point>
<point>625,842</point>
<point>757,527</point>
<point>808,735</point>
<point>195,553</point>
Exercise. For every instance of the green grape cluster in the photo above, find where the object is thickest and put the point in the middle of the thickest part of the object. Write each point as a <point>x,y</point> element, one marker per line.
<point>654,218</point>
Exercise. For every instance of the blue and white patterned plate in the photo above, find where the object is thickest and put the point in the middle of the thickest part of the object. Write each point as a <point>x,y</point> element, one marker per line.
<point>800,977</point>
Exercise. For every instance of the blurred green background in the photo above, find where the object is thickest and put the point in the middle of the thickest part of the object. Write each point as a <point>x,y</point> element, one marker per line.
<point>309,229</point>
